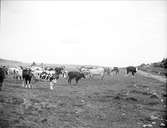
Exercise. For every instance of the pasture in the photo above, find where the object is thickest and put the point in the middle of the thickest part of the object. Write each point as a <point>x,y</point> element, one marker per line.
<point>118,101</point>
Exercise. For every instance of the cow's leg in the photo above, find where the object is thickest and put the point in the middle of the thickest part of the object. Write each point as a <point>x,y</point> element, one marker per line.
<point>30,85</point>
<point>51,85</point>
<point>127,73</point>
<point>77,79</point>
<point>23,83</point>
<point>69,81</point>
<point>26,83</point>
<point>133,74</point>
<point>102,76</point>
<point>1,85</point>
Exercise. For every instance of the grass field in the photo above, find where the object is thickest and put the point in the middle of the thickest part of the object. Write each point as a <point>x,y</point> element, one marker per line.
<point>118,101</point>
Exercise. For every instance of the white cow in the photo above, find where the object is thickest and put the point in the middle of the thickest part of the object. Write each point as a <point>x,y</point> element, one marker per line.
<point>37,73</point>
<point>16,72</point>
<point>97,72</point>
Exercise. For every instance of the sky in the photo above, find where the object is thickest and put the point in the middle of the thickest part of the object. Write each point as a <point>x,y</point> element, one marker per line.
<point>106,33</point>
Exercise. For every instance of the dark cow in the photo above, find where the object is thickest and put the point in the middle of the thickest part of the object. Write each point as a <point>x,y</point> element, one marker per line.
<point>27,76</point>
<point>59,70</point>
<point>115,69</point>
<point>2,77</point>
<point>75,75</point>
<point>131,69</point>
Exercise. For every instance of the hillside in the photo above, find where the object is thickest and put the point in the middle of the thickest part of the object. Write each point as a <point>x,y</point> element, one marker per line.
<point>10,62</point>
<point>159,68</point>
<point>13,63</point>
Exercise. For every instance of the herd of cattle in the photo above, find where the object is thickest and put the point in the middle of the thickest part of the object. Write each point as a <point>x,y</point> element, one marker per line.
<point>53,74</point>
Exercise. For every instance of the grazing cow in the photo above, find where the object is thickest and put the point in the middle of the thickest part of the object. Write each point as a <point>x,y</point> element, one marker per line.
<point>131,69</point>
<point>115,69</point>
<point>27,76</point>
<point>97,72</point>
<point>75,75</point>
<point>2,77</point>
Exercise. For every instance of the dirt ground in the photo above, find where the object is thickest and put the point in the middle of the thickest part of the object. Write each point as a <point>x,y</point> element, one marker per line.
<point>118,101</point>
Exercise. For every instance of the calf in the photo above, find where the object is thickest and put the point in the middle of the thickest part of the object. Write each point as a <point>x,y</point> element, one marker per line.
<point>75,75</point>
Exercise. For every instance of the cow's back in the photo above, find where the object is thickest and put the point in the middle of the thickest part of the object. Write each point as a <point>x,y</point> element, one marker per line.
<point>97,71</point>
<point>131,69</point>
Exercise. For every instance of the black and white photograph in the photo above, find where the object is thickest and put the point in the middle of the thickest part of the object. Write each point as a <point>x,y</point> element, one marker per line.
<point>83,63</point>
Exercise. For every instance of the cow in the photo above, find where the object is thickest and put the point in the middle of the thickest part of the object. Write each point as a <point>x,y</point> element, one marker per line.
<point>59,70</point>
<point>107,70</point>
<point>97,72</point>
<point>44,75</point>
<point>115,69</point>
<point>131,69</point>
<point>27,76</point>
<point>75,75</point>
<point>53,80</point>
<point>2,77</point>
<point>16,72</point>
<point>37,73</point>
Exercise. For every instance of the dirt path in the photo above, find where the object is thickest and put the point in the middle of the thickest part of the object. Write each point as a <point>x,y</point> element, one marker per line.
<point>157,77</point>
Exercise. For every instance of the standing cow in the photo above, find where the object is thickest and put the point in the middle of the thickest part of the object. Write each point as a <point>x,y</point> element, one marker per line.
<point>131,69</point>
<point>2,77</point>
<point>97,72</point>
<point>27,76</point>
<point>75,75</point>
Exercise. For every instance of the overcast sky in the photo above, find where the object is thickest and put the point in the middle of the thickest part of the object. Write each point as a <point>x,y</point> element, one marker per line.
<point>107,33</point>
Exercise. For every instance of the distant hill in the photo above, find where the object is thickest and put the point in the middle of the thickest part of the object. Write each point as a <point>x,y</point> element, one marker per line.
<point>8,61</point>
<point>11,62</point>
